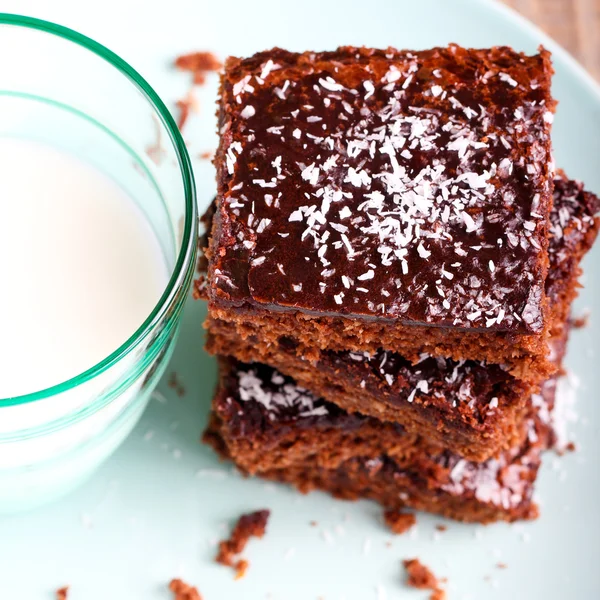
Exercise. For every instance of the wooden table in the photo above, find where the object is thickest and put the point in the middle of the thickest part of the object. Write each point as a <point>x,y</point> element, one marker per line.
<point>575,24</point>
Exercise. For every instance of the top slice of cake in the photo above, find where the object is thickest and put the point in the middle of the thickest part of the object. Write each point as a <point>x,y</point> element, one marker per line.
<point>396,186</point>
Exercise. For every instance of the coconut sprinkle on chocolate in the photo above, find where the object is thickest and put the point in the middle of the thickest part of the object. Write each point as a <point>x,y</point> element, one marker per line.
<point>279,395</point>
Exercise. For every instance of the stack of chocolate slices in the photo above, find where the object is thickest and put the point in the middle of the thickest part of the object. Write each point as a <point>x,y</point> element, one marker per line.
<point>390,263</point>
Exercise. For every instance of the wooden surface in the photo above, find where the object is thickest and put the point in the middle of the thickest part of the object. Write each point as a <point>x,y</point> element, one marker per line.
<point>574,24</point>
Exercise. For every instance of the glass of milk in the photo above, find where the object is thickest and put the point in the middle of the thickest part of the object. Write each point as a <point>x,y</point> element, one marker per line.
<point>98,230</point>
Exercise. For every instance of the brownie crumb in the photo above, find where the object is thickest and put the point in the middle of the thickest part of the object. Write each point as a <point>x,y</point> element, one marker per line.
<point>183,591</point>
<point>398,521</point>
<point>62,593</point>
<point>420,577</point>
<point>502,565</point>
<point>241,566</point>
<point>198,63</point>
<point>249,525</point>
<point>313,524</point>
<point>186,106</point>
<point>184,112</point>
<point>581,321</point>
<point>207,155</point>
<point>174,383</point>
<point>441,527</point>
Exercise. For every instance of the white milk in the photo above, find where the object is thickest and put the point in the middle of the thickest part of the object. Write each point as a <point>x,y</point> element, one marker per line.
<point>80,266</point>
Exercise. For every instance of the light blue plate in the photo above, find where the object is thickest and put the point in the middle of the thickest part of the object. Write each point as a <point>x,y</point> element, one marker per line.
<point>156,509</point>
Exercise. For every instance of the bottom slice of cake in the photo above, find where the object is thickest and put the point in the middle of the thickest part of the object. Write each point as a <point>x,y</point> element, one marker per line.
<point>271,427</point>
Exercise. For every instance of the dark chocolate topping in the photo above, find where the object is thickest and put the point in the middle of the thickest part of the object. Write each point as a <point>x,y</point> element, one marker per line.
<point>410,186</point>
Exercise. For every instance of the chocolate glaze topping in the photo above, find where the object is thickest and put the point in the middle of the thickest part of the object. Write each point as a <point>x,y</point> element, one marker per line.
<point>404,186</point>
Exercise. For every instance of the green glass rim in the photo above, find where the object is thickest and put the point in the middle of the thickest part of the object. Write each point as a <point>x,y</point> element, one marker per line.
<point>185,259</point>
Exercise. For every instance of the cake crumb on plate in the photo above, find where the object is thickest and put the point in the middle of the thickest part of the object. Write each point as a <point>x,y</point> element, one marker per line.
<point>183,591</point>
<point>421,577</point>
<point>398,521</point>
<point>62,593</point>
<point>582,320</point>
<point>198,63</point>
<point>248,525</point>
<point>175,384</point>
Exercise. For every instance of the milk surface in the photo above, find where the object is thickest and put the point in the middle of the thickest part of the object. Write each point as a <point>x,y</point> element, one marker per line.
<point>80,267</point>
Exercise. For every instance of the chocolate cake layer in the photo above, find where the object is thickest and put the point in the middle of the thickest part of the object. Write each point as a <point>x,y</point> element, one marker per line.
<point>271,427</point>
<point>384,198</point>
